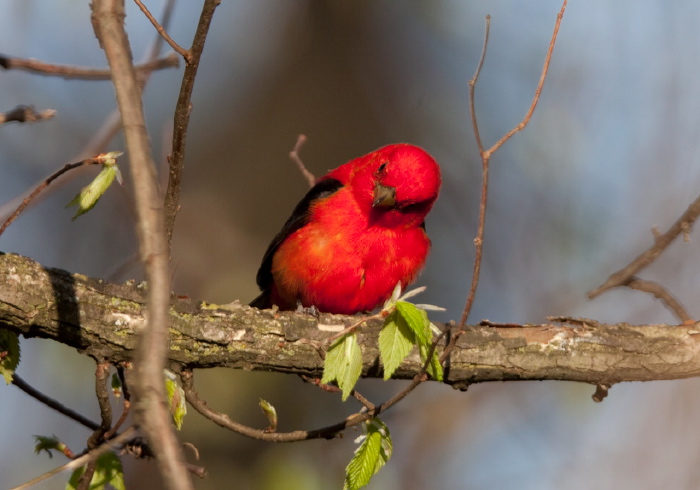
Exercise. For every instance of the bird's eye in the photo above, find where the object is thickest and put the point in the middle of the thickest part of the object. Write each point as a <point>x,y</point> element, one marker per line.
<point>381,168</point>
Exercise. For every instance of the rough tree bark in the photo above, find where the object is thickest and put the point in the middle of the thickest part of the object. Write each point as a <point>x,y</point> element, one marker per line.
<point>101,319</point>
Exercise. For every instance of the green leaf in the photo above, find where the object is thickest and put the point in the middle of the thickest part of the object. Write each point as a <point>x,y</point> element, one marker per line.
<point>417,320</point>
<point>176,399</point>
<point>9,354</point>
<point>44,443</point>
<point>370,457</point>
<point>434,368</point>
<point>90,194</point>
<point>343,364</point>
<point>108,471</point>
<point>271,414</point>
<point>395,342</point>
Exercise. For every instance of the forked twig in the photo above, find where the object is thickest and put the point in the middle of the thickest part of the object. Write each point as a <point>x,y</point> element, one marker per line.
<point>163,32</point>
<point>646,258</point>
<point>294,156</point>
<point>485,158</point>
<point>662,294</point>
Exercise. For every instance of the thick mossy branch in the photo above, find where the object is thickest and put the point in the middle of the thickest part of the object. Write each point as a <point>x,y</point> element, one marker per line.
<point>101,319</point>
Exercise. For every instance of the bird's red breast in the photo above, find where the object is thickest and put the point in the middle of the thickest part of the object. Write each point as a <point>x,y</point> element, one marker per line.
<point>357,233</point>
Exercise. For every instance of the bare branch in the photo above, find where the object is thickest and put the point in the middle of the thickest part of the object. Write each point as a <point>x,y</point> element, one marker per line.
<point>102,320</point>
<point>485,159</point>
<point>182,117</point>
<point>661,293</point>
<point>77,72</point>
<point>224,421</point>
<point>101,378</point>
<point>27,200</point>
<point>51,403</point>
<point>294,156</point>
<point>538,90</point>
<point>161,30</point>
<point>149,389</point>
<point>472,83</point>
<point>646,258</point>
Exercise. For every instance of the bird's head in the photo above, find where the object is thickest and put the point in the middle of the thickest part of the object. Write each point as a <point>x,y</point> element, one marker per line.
<point>397,184</point>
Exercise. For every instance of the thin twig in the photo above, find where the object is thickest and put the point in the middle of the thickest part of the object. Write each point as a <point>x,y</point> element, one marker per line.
<point>98,436</point>
<point>26,113</point>
<point>78,462</point>
<point>161,30</point>
<point>27,200</point>
<point>485,159</point>
<point>643,260</point>
<point>294,156</point>
<point>472,82</point>
<point>334,389</point>
<point>348,330</point>
<point>120,421</point>
<point>77,72</point>
<point>370,410</point>
<point>660,293</point>
<point>51,403</point>
<point>86,478</point>
<point>102,394</point>
<point>479,240</point>
<point>538,90</point>
<point>182,118</point>
<point>224,421</point>
<point>151,408</point>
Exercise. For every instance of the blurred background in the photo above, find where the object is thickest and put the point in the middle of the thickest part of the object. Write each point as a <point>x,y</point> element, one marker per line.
<point>612,150</point>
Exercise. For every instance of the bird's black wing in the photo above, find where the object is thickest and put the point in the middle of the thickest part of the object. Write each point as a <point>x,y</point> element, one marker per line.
<point>299,218</point>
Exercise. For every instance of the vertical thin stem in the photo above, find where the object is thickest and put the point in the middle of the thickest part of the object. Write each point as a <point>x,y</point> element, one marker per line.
<point>149,387</point>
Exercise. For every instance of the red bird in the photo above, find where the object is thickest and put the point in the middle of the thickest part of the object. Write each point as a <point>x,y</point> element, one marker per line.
<point>357,233</point>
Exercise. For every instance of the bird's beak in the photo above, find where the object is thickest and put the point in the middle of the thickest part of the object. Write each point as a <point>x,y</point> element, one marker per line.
<point>383,196</point>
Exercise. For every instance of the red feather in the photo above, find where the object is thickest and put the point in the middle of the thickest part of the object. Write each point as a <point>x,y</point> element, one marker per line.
<point>357,233</point>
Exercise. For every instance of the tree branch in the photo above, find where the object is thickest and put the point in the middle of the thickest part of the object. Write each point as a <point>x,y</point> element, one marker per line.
<point>102,320</point>
<point>149,389</point>
<point>78,72</point>
<point>182,116</point>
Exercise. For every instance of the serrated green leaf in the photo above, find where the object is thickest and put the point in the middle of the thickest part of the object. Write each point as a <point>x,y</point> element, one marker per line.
<point>370,456</point>
<point>343,364</point>
<point>434,368</point>
<point>90,194</point>
<point>108,471</point>
<point>417,320</point>
<point>44,443</point>
<point>176,399</point>
<point>9,354</point>
<point>395,342</point>
<point>271,414</point>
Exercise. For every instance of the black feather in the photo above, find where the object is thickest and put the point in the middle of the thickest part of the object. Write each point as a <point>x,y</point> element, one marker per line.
<point>299,218</point>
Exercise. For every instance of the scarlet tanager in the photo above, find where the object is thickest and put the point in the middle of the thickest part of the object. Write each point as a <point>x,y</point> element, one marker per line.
<point>357,233</point>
